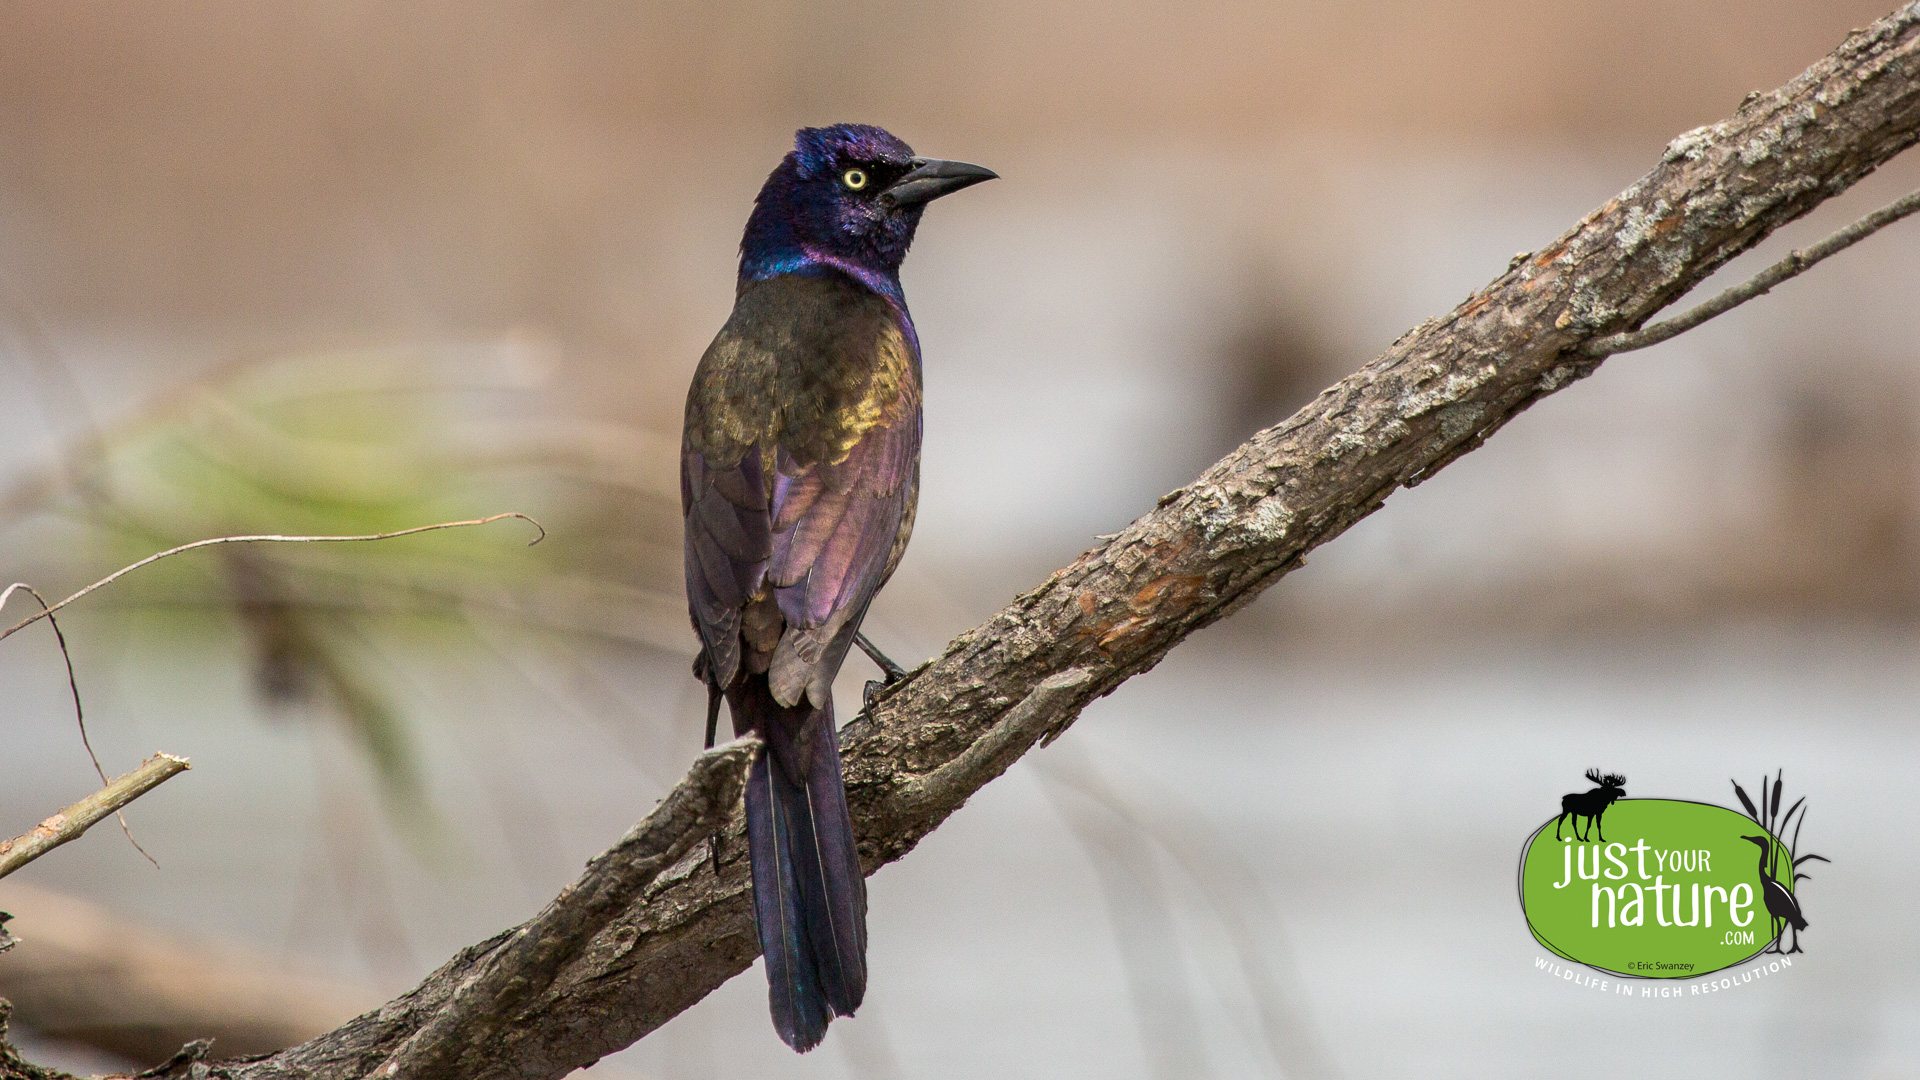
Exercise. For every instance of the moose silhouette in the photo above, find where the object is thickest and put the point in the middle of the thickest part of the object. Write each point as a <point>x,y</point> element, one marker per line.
<point>1591,804</point>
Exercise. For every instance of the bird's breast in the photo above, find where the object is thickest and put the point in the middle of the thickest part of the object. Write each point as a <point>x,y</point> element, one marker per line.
<point>809,365</point>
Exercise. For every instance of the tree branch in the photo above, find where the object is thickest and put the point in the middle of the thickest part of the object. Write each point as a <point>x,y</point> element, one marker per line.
<point>1795,264</point>
<point>68,824</point>
<point>1206,550</point>
<point>527,963</point>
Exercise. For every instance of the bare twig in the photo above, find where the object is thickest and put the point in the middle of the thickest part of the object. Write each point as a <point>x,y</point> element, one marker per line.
<point>68,824</point>
<point>522,969</point>
<point>73,684</point>
<point>1793,265</point>
<point>267,539</point>
<point>79,713</point>
<point>47,610</point>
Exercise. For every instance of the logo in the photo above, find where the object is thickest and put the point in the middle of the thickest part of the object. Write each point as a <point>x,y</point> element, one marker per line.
<point>1682,889</point>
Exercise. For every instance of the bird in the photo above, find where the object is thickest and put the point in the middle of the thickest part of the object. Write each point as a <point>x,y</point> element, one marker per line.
<point>1780,903</point>
<point>800,473</point>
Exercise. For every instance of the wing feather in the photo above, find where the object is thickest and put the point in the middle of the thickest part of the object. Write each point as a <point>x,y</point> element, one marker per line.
<point>728,543</point>
<point>826,568</point>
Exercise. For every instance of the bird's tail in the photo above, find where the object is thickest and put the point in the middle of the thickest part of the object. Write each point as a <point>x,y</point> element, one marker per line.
<point>809,897</point>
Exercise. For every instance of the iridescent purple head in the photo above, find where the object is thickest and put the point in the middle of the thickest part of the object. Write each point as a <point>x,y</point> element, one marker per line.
<point>847,198</point>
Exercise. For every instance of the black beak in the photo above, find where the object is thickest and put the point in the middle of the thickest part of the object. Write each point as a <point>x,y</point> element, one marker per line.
<point>932,178</point>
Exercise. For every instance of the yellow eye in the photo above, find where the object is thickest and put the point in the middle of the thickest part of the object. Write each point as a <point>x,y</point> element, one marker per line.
<point>855,179</point>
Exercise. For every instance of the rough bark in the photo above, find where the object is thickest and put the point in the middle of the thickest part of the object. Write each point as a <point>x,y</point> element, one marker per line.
<point>1210,547</point>
<point>460,1037</point>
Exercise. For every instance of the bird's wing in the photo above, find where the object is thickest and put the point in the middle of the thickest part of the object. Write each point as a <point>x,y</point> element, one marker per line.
<point>835,528</point>
<point>728,541</point>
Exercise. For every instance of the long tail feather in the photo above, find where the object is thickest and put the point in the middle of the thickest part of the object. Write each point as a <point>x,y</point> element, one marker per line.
<point>808,893</point>
<point>793,989</point>
<point>833,892</point>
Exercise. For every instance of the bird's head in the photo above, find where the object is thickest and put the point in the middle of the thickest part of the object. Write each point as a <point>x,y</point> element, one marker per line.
<point>1762,841</point>
<point>847,197</point>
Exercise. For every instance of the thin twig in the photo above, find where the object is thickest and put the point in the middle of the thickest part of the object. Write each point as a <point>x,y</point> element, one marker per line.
<point>1758,285</point>
<point>68,824</point>
<point>267,539</point>
<point>79,714</point>
<point>73,684</point>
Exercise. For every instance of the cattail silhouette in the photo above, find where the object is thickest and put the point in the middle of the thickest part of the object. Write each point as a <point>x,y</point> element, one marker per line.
<point>1781,902</point>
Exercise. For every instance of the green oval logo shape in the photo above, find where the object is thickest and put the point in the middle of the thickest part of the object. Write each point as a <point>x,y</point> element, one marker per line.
<point>1677,890</point>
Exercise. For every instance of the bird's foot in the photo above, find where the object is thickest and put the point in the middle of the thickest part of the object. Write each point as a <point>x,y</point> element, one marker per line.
<point>892,671</point>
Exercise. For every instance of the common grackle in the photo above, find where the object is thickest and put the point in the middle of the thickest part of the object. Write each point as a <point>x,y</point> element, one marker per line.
<point>799,470</point>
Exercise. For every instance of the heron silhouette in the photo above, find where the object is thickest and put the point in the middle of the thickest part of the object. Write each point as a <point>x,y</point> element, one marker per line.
<point>1780,903</point>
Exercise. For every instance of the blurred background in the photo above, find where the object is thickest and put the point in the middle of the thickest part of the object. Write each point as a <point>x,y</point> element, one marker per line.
<point>357,266</point>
